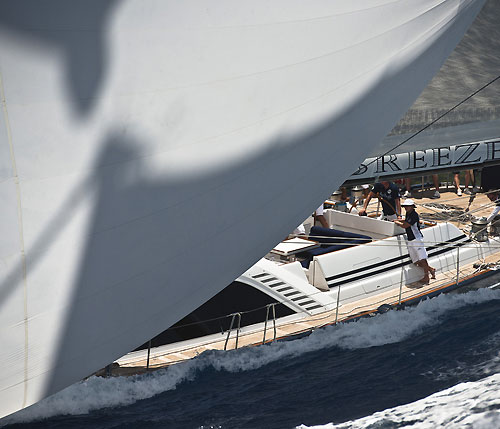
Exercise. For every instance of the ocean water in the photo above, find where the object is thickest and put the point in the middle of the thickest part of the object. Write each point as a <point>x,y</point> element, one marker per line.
<point>433,365</point>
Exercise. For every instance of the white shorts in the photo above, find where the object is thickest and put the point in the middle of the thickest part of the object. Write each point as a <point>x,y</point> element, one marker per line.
<point>416,249</point>
<point>388,217</point>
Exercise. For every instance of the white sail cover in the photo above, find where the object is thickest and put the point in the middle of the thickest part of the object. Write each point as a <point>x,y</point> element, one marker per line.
<point>151,151</point>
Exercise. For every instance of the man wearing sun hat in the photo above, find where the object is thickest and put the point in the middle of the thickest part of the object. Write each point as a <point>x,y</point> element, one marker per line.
<point>416,247</point>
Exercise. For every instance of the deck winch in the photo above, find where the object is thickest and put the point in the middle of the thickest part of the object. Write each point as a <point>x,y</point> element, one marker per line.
<point>358,192</point>
<point>479,229</point>
<point>340,205</point>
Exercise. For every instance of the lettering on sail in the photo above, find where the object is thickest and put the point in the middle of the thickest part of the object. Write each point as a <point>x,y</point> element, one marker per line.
<point>434,159</point>
<point>470,149</point>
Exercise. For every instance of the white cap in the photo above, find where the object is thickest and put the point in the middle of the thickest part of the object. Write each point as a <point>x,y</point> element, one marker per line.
<point>408,202</point>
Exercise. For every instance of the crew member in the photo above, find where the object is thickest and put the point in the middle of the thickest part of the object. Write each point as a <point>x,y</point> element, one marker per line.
<point>493,196</point>
<point>490,182</point>
<point>318,216</point>
<point>416,247</point>
<point>388,193</point>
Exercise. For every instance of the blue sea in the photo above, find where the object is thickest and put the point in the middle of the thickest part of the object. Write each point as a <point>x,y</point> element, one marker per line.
<point>433,365</point>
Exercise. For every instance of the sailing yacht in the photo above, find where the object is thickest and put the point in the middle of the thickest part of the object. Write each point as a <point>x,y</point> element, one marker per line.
<point>121,118</point>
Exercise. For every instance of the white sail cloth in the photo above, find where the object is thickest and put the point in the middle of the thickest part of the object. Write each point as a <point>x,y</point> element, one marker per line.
<point>150,152</point>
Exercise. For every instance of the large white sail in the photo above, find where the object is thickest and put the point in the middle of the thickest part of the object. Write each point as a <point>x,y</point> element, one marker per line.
<point>151,151</point>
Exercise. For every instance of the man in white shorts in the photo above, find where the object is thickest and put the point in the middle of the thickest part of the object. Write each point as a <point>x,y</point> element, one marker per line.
<point>416,247</point>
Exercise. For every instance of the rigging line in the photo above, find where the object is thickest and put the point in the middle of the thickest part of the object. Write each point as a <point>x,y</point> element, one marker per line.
<point>438,211</point>
<point>355,241</point>
<point>428,206</point>
<point>436,120</point>
<point>443,201</point>
<point>494,244</point>
<point>488,205</point>
<point>219,317</point>
<point>427,243</point>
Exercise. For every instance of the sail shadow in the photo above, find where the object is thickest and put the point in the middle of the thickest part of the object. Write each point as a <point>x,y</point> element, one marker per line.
<point>150,256</point>
<point>153,254</point>
<point>84,50</point>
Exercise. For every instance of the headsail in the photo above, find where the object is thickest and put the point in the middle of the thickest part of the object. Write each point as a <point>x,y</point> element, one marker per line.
<point>120,119</point>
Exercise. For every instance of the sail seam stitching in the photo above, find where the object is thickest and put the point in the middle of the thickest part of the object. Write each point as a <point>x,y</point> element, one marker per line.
<point>21,236</point>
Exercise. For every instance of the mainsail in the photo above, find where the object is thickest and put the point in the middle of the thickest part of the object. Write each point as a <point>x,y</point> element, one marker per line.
<point>150,152</point>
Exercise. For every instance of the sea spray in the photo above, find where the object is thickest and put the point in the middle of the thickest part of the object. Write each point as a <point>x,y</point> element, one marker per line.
<point>97,393</point>
<point>471,404</point>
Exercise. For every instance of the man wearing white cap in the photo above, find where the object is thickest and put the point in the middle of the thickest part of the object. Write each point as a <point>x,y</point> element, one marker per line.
<point>416,247</point>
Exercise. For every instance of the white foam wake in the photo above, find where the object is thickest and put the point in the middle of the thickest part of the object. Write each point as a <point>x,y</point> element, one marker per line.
<point>466,405</point>
<point>97,393</point>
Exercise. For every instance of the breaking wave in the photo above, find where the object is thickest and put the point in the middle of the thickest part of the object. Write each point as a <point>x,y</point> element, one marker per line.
<point>98,393</point>
<point>473,404</point>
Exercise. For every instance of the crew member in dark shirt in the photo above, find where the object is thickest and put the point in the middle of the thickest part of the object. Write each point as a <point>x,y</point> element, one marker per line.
<point>490,182</point>
<point>494,217</point>
<point>490,178</point>
<point>416,247</point>
<point>388,193</point>
<point>494,198</point>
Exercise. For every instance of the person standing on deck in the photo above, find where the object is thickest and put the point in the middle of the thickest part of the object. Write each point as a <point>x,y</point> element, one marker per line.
<point>469,176</point>
<point>416,247</point>
<point>318,216</point>
<point>490,182</point>
<point>388,193</point>
<point>494,198</point>
<point>435,180</point>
